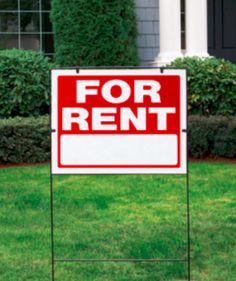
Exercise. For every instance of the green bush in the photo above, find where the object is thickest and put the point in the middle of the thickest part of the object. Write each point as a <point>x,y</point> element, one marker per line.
<point>213,136</point>
<point>24,140</point>
<point>211,84</point>
<point>27,140</point>
<point>95,32</point>
<point>24,83</point>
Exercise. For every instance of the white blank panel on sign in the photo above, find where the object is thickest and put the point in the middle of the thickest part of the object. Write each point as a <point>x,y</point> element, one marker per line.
<point>119,150</point>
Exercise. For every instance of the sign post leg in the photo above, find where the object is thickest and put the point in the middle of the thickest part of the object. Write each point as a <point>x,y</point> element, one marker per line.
<point>188,212</point>
<point>52,227</point>
<point>188,229</point>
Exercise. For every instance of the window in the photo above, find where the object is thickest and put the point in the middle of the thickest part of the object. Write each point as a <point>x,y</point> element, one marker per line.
<point>183,27</point>
<point>25,24</point>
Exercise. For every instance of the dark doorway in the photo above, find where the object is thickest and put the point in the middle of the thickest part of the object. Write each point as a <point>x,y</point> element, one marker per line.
<point>222,29</point>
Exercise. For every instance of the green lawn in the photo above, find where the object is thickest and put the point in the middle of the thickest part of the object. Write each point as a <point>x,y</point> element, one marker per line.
<point>118,217</point>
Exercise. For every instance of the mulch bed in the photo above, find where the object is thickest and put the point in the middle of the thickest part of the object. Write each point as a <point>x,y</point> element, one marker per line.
<point>3,166</point>
<point>194,160</point>
<point>214,160</point>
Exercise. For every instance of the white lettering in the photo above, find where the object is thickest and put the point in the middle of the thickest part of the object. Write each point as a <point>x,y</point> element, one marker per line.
<point>99,118</point>
<point>127,117</point>
<point>152,91</point>
<point>80,119</point>
<point>162,116</point>
<point>82,90</point>
<point>124,95</point>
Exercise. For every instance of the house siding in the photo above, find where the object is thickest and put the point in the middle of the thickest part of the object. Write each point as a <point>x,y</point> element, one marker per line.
<point>147,12</point>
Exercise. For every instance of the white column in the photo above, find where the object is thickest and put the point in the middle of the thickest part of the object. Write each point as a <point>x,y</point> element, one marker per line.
<point>196,28</point>
<point>170,31</point>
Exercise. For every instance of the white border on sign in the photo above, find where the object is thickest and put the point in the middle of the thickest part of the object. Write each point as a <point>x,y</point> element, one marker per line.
<point>147,71</point>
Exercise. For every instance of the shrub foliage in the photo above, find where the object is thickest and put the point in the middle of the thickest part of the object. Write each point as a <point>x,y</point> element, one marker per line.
<point>24,83</point>
<point>211,84</point>
<point>212,136</point>
<point>27,140</point>
<point>24,140</point>
<point>94,32</point>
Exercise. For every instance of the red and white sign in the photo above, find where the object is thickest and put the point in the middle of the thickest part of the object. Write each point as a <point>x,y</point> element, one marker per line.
<point>118,121</point>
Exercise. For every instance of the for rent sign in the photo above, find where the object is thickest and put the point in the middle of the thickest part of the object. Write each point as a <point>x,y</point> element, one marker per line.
<point>118,121</point>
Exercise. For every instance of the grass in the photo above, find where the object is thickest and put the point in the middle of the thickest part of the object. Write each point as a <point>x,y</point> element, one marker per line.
<point>118,217</point>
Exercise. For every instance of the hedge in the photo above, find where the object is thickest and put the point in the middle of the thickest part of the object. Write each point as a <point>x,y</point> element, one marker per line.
<point>95,32</point>
<point>24,83</point>
<point>211,84</point>
<point>27,140</point>
<point>24,140</point>
<point>213,136</point>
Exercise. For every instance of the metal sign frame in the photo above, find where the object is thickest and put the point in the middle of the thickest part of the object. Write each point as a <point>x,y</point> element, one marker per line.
<point>186,260</point>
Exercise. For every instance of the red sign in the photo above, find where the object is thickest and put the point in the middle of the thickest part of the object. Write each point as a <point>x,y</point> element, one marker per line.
<point>119,121</point>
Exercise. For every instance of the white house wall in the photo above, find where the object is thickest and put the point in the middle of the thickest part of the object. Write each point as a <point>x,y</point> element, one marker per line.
<point>159,33</point>
<point>147,12</point>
